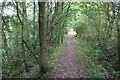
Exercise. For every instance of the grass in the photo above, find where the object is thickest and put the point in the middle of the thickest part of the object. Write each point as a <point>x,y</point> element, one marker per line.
<point>93,70</point>
<point>54,57</point>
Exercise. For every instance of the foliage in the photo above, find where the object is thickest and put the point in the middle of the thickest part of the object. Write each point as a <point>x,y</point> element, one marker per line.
<point>101,34</point>
<point>20,34</point>
<point>31,33</point>
<point>93,70</point>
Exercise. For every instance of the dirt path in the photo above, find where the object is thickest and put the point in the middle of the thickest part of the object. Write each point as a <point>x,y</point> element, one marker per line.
<point>69,66</point>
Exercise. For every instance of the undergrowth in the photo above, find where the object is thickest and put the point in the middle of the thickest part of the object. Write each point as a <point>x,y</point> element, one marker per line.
<point>93,70</point>
<point>54,57</point>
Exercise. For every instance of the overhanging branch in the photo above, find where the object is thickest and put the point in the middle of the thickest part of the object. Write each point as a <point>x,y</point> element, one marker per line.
<point>30,50</point>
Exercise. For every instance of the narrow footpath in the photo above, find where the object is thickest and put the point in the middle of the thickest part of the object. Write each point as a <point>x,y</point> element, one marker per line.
<point>69,66</point>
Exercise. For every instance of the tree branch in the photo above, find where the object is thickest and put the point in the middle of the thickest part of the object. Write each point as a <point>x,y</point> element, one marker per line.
<point>30,50</point>
<point>18,13</point>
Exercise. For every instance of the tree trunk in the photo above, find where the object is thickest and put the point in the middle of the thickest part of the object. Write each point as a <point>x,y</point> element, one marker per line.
<point>34,20</point>
<point>23,22</point>
<point>42,40</point>
<point>118,46</point>
<point>118,35</point>
<point>23,45</point>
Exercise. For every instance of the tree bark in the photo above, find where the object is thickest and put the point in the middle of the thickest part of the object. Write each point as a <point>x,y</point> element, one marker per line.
<point>118,46</point>
<point>42,40</point>
<point>23,45</point>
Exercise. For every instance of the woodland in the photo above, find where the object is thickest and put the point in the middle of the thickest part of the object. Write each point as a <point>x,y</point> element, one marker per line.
<point>34,36</point>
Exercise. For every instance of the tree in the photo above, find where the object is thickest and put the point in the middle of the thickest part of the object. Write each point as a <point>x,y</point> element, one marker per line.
<point>24,24</point>
<point>118,32</point>
<point>42,40</point>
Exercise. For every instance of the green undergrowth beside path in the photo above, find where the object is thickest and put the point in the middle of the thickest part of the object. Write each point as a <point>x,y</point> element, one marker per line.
<point>54,57</point>
<point>93,70</point>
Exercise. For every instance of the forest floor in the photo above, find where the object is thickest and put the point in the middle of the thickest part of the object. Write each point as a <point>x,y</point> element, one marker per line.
<point>68,65</point>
